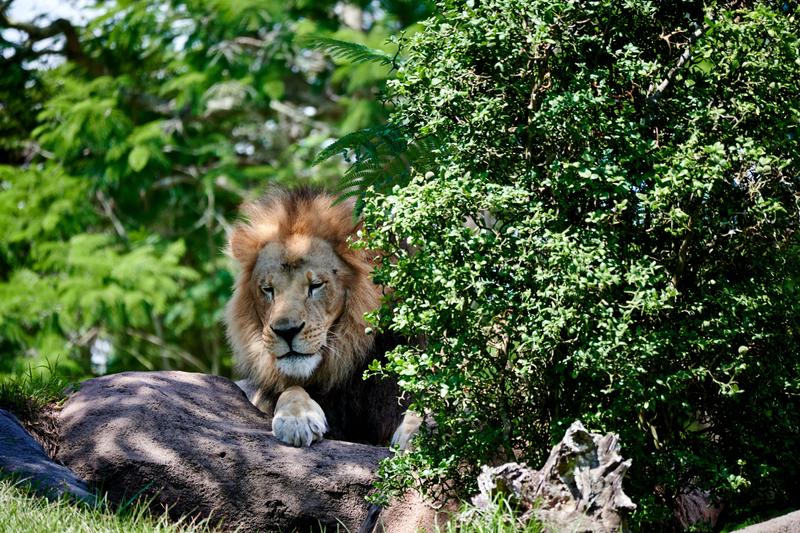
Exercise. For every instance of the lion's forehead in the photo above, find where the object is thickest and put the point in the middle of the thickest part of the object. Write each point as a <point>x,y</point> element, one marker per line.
<point>296,255</point>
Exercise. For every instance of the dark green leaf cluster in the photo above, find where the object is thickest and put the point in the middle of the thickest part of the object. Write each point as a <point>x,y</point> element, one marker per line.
<point>609,233</point>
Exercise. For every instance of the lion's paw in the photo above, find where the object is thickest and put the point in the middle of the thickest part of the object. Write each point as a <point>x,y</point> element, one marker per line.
<point>299,430</point>
<point>406,430</point>
<point>298,420</point>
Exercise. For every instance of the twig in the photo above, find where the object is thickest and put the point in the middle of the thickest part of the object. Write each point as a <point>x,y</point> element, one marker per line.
<point>171,181</point>
<point>655,93</point>
<point>250,41</point>
<point>72,49</point>
<point>296,115</point>
<point>108,210</point>
<point>160,343</point>
<point>160,334</point>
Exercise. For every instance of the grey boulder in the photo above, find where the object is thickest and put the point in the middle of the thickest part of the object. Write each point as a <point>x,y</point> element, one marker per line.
<point>788,523</point>
<point>24,459</point>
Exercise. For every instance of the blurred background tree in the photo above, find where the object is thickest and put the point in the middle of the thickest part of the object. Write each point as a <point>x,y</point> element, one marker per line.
<point>126,142</point>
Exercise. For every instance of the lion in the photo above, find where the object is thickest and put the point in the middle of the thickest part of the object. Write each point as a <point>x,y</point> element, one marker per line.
<point>296,322</point>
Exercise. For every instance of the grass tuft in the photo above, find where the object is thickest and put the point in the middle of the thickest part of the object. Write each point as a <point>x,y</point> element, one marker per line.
<point>31,397</point>
<point>500,517</point>
<point>27,394</point>
<point>22,512</point>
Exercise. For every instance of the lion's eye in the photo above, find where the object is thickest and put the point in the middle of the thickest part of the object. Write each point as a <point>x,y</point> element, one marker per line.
<point>314,287</point>
<point>269,292</point>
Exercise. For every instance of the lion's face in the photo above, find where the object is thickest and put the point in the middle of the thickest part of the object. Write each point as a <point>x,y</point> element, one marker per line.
<point>299,295</point>
<point>297,312</point>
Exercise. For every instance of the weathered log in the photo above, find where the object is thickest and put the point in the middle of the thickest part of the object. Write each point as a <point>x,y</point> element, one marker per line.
<point>578,489</point>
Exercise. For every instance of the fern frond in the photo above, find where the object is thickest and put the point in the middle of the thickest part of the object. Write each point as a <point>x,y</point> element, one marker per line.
<point>423,152</point>
<point>365,141</point>
<point>382,157</point>
<point>347,51</point>
<point>343,145</point>
<point>360,176</point>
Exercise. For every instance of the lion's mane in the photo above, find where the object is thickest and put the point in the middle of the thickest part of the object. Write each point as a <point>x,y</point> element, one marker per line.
<point>278,215</point>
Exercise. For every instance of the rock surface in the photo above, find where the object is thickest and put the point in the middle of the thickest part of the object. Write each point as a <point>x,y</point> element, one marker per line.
<point>696,509</point>
<point>194,443</point>
<point>788,523</point>
<point>25,459</point>
<point>578,489</point>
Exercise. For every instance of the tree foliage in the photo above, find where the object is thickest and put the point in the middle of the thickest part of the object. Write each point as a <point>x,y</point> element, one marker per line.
<point>123,162</point>
<point>610,233</point>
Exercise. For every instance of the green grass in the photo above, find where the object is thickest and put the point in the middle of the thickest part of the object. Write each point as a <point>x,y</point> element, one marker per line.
<point>22,512</point>
<point>27,394</point>
<point>501,517</point>
<point>31,397</point>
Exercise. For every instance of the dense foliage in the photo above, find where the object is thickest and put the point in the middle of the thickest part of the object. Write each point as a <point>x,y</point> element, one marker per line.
<point>610,233</point>
<point>122,163</point>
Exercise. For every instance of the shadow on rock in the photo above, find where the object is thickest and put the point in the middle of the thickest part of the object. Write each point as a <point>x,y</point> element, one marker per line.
<point>196,445</point>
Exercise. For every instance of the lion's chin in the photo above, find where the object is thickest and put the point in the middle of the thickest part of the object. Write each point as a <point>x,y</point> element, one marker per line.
<point>298,366</point>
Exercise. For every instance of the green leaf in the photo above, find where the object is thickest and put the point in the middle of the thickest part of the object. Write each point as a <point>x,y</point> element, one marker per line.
<point>352,52</point>
<point>138,157</point>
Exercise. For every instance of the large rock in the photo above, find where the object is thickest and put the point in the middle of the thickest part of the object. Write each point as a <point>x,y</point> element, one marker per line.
<point>578,489</point>
<point>195,444</point>
<point>788,523</point>
<point>25,459</point>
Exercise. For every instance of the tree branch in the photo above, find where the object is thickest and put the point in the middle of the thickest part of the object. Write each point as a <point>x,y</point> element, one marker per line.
<point>108,210</point>
<point>175,352</point>
<point>654,93</point>
<point>72,49</point>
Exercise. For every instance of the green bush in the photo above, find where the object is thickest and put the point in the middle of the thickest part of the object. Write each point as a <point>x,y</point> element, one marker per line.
<point>610,233</point>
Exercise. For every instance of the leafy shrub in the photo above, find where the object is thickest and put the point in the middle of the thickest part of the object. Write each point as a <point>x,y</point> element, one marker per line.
<point>610,233</point>
<point>61,284</point>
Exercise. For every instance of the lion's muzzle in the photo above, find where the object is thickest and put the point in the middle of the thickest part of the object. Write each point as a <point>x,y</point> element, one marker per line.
<point>286,330</point>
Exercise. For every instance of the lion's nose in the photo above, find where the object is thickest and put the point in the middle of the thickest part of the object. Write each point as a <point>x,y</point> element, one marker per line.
<point>286,331</point>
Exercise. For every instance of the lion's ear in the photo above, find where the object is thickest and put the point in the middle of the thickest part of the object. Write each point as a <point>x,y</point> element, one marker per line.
<point>243,245</point>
